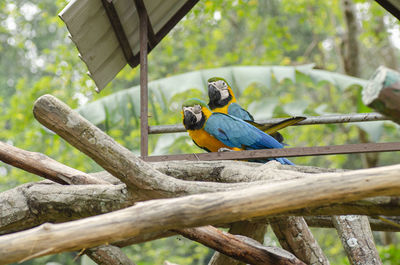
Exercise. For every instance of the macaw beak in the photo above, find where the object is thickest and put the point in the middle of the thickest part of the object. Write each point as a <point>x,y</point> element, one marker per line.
<point>213,93</point>
<point>189,118</point>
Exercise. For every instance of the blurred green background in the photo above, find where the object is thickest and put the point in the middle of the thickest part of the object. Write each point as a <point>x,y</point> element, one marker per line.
<point>266,49</point>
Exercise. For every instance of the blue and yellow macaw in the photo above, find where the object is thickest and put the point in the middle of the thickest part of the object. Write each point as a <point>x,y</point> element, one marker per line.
<point>223,100</point>
<point>212,131</point>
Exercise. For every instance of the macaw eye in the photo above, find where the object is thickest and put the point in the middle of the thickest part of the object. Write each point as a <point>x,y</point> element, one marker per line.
<point>222,84</point>
<point>197,109</point>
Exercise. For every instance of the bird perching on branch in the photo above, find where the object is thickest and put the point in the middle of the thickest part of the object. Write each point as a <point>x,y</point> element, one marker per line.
<point>213,131</point>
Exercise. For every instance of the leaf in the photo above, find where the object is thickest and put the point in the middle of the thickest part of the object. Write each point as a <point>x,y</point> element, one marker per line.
<point>162,91</point>
<point>373,128</point>
<point>296,108</point>
<point>264,108</point>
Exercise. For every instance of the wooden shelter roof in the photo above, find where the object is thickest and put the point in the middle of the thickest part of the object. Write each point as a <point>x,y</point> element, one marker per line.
<point>106,32</point>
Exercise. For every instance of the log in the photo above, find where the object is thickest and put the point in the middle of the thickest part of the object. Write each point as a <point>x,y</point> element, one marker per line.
<point>199,210</point>
<point>240,247</point>
<point>44,166</point>
<point>376,224</point>
<point>295,236</point>
<point>252,230</point>
<point>32,204</point>
<point>356,236</point>
<point>108,255</point>
<point>382,93</point>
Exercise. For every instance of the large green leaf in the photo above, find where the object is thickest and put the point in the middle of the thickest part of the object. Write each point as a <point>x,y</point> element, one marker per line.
<point>161,91</point>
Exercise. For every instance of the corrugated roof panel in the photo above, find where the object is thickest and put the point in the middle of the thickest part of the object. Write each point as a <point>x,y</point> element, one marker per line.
<point>92,33</point>
<point>162,11</point>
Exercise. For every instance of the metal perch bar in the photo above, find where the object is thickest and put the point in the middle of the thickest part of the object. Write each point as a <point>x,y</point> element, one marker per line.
<point>312,120</point>
<point>284,152</point>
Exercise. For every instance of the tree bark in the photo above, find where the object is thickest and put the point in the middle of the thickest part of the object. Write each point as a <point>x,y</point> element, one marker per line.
<point>376,224</point>
<point>356,236</point>
<point>202,209</point>
<point>44,166</point>
<point>382,93</point>
<point>294,236</point>
<point>108,255</point>
<point>33,204</point>
<point>350,49</point>
<point>254,230</point>
<point>240,247</point>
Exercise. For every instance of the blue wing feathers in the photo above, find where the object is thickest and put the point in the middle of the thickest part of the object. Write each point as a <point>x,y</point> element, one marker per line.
<point>235,132</point>
<point>237,111</point>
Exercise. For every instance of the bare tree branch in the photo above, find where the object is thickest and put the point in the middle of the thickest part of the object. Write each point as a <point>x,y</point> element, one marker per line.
<point>294,236</point>
<point>44,166</point>
<point>357,240</point>
<point>108,255</point>
<point>375,223</point>
<point>240,247</point>
<point>201,209</point>
<point>381,93</point>
<point>252,230</point>
<point>35,203</point>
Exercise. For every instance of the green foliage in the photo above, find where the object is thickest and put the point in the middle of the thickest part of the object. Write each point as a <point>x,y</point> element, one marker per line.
<point>238,40</point>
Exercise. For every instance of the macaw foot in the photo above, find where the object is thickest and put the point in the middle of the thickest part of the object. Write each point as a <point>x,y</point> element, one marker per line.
<point>224,149</point>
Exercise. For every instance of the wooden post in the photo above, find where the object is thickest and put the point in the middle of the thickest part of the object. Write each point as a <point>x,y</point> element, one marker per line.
<point>382,93</point>
<point>144,127</point>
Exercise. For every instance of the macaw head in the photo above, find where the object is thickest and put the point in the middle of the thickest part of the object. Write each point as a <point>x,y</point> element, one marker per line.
<point>194,113</point>
<point>219,92</point>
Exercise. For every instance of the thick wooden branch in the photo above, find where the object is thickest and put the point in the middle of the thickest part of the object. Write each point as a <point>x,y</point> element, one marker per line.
<point>240,247</point>
<point>295,236</point>
<point>44,166</point>
<point>252,230</point>
<point>236,171</point>
<point>375,223</point>
<point>202,209</point>
<point>356,236</point>
<point>382,93</point>
<point>32,204</point>
<point>108,255</point>
<point>116,159</point>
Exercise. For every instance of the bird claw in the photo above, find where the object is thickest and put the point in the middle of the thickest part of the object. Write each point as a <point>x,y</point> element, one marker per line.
<point>224,149</point>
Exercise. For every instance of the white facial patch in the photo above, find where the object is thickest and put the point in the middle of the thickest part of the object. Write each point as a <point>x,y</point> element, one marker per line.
<point>195,111</point>
<point>224,94</point>
<point>222,88</point>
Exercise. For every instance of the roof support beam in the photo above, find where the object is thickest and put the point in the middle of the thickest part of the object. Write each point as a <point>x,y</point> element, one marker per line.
<point>168,26</point>
<point>119,31</point>
<point>390,7</point>
<point>153,41</point>
<point>144,93</point>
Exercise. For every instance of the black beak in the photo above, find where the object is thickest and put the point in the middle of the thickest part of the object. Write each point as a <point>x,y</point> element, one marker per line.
<point>213,93</point>
<point>189,119</point>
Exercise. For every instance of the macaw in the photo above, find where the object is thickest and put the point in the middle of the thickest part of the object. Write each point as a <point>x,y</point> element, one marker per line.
<point>223,100</point>
<point>212,131</point>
